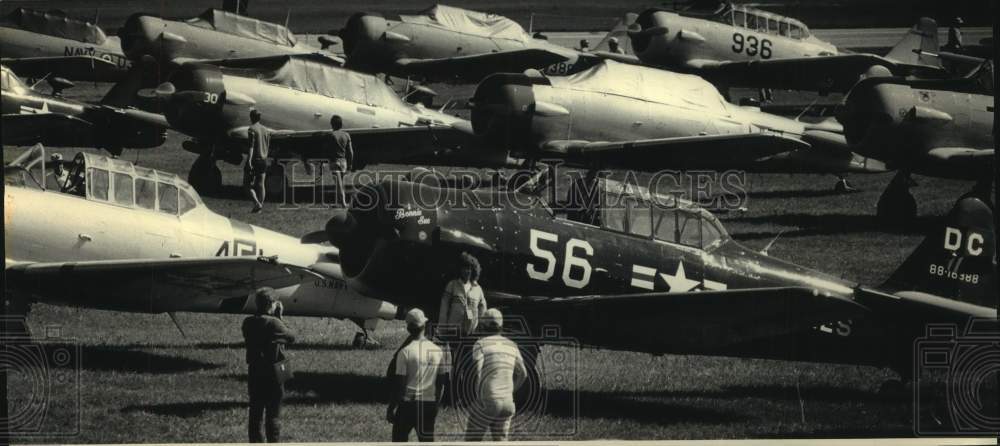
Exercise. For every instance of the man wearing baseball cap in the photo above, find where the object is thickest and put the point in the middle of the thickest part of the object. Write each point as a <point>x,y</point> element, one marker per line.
<point>499,371</point>
<point>421,375</point>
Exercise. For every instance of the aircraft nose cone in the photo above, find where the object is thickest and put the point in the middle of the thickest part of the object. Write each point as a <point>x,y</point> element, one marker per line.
<point>868,119</point>
<point>360,29</point>
<point>340,227</point>
<point>137,36</point>
<point>646,26</point>
<point>502,111</point>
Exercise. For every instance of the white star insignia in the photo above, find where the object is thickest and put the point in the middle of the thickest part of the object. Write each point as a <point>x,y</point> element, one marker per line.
<point>679,282</point>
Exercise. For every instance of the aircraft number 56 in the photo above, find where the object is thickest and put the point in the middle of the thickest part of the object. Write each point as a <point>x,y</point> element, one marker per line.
<point>751,45</point>
<point>576,270</point>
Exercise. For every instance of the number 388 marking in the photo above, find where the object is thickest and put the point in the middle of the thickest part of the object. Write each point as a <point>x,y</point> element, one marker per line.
<point>571,264</point>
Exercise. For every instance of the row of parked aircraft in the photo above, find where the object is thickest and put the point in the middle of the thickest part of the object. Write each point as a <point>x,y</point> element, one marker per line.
<point>656,280</point>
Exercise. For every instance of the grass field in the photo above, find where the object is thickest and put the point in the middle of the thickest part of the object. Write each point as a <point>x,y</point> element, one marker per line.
<point>139,380</point>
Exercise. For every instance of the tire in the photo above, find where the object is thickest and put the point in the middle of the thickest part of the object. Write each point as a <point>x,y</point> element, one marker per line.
<point>204,176</point>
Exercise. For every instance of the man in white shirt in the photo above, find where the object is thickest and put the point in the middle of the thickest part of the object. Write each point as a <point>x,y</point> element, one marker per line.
<point>421,374</point>
<point>499,371</point>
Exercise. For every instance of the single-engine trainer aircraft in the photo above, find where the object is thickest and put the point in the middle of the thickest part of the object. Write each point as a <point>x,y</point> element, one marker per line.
<point>635,117</point>
<point>653,273</point>
<point>30,117</point>
<point>297,95</point>
<point>446,43</point>
<point>939,128</point>
<point>38,44</point>
<point>738,46</point>
<point>215,34</point>
<point>103,233</point>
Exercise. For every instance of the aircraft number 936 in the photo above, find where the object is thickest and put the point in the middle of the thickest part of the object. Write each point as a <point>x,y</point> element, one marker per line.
<point>751,45</point>
<point>576,270</point>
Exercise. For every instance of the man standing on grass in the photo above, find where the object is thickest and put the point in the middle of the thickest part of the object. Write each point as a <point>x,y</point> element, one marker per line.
<point>256,167</point>
<point>265,336</point>
<point>341,155</point>
<point>421,374</point>
<point>499,371</point>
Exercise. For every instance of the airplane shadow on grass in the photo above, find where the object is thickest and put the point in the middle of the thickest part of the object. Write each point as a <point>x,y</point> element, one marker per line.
<point>310,388</point>
<point>830,224</point>
<point>303,346</point>
<point>119,359</point>
<point>775,392</point>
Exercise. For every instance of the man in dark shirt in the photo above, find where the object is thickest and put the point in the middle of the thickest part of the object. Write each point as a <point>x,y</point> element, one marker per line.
<point>341,155</point>
<point>265,336</point>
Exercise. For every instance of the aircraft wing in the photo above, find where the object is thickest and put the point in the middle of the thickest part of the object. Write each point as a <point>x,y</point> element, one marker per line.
<point>836,73</point>
<point>475,67</point>
<point>214,284</point>
<point>665,152</point>
<point>83,68</point>
<point>380,145</point>
<point>687,321</point>
<point>27,129</point>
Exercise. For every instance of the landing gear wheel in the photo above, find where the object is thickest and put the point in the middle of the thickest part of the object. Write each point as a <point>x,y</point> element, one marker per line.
<point>205,176</point>
<point>843,186</point>
<point>363,341</point>
<point>275,186</point>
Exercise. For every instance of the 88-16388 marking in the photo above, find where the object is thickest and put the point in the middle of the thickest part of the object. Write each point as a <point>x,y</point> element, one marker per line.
<point>942,271</point>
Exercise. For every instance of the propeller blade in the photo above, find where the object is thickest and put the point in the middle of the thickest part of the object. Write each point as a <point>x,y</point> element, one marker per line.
<point>316,237</point>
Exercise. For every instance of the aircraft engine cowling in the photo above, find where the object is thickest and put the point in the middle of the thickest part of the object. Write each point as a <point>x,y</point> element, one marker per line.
<point>196,108</point>
<point>502,111</point>
<point>647,25</point>
<point>358,34</point>
<point>871,119</point>
<point>385,236</point>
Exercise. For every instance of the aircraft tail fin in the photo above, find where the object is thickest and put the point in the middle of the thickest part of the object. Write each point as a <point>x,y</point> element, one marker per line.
<point>619,32</point>
<point>914,47</point>
<point>957,260</point>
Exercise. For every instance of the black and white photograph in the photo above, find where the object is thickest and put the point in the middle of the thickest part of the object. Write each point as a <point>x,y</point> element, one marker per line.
<point>315,221</point>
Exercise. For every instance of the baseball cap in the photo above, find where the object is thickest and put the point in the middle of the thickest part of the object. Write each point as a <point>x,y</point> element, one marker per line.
<point>493,317</point>
<point>416,317</point>
<point>56,157</point>
<point>613,40</point>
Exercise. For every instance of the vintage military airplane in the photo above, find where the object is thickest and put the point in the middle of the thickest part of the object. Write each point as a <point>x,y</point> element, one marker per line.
<point>739,46</point>
<point>30,117</point>
<point>653,273</point>
<point>103,233</point>
<point>215,34</point>
<point>940,128</point>
<point>446,43</point>
<point>644,118</point>
<point>297,95</point>
<point>37,44</point>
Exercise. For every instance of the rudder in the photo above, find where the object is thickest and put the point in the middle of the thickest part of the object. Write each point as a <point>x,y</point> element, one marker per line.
<point>957,260</point>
